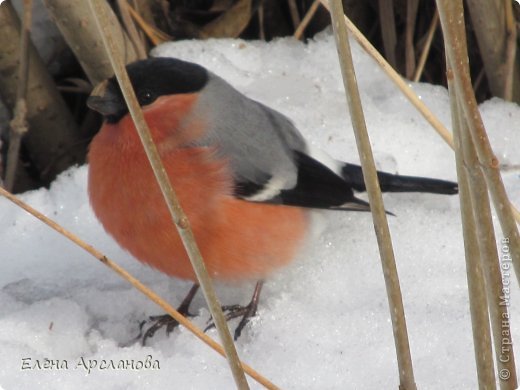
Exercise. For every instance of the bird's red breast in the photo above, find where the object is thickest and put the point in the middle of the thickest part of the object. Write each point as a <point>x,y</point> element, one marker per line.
<point>238,239</point>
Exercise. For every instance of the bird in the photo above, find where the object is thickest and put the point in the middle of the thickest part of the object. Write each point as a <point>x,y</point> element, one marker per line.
<point>244,175</point>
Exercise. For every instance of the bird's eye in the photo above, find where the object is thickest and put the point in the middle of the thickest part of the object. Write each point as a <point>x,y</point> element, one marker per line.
<point>145,97</point>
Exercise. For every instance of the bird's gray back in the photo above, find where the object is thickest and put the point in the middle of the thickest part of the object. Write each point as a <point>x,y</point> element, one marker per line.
<point>259,141</point>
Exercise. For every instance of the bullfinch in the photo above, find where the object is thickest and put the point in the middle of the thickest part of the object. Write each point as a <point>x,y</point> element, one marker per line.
<point>244,175</point>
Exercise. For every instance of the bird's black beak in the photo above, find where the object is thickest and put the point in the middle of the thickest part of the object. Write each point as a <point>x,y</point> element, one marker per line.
<point>106,101</point>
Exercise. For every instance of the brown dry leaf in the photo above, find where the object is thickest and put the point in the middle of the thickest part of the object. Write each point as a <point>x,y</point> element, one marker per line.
<point>155,35</point>
<point>231,23</point>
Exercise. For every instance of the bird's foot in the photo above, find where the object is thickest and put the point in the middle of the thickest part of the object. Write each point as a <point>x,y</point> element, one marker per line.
<point>246,312</point>
<point>158,322</point>
<point>234,311</point>
<point>166,320</point>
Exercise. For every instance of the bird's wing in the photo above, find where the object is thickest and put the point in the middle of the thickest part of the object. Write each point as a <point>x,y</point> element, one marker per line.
<point>270,160</point>
<point>316,186</point>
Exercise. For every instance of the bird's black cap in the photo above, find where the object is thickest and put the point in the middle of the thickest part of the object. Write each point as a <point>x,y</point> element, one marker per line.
<point>151,79</point>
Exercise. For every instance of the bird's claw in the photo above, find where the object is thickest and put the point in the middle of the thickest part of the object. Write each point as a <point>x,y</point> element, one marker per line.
<point>158,322</point>
<point>165,319</point>
<point>234,311</point>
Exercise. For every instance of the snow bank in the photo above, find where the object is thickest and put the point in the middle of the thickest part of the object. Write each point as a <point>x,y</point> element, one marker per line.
<point>323,322</point>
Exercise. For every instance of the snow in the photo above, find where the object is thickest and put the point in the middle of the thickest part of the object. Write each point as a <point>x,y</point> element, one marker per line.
<point>323,322</point>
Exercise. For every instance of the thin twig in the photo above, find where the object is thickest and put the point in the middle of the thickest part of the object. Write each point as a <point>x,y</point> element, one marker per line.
<point>135,283</point>
<point>478,303</point>
<point>298,33</point>
<point>19,125</point>
<point>382,231</point>
<point>133,34</point>
<point>452,21</point>
<point>427,45</point>
<point>178,216</point>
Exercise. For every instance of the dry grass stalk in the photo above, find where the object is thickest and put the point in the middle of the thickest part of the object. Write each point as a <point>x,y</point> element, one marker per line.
<point>408,92</point>
<point>52,128</point>
<point>19,125</point>
<point>452,22</point>
<point>475,153</point>
<point>388,30</point>
<point>155,35</point>
<point>382,231</point>
<point>133,34</point>
<point>293,10</point>
<point>135,283</point>
<point>178,216</point>
<point>486,242</point>
<point>298,33</point>
<point>398,81</point>
<point>509,64</point>
<point>478,303</point>
<point>411,15</point>
<point>261,21</point>
<point>427,45</point>
<point>489,19</point>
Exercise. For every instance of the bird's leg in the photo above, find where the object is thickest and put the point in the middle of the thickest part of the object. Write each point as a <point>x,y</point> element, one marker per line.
<point>246,312</point>
<point>167,320</point>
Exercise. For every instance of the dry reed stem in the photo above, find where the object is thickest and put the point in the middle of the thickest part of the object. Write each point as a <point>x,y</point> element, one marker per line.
<point>19,124</point>
<point>478,303</point>
<point>133,34</point>
<point>293,10</point>
<point>407,91</point>
<point>493,34</point>
<point>427,46</point>
<point>398,80</point>
<point>388,30</point>
<point>155,35</point>
<point>516,213</point>
<point>377,208</point>
<point>509,63</point>
<point>261,27</point>
<point>478,79</point>
<point>486,241</point>
<point>177,214</point>
<point>479,162</point>
<point>135,283</point>
<point>411,15</point>
<point>76,24</point>
<point>452,21</point>
<point>298,33</point>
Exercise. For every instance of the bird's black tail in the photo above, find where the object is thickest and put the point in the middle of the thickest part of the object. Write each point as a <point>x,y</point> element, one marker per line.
<point>397,183</point>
